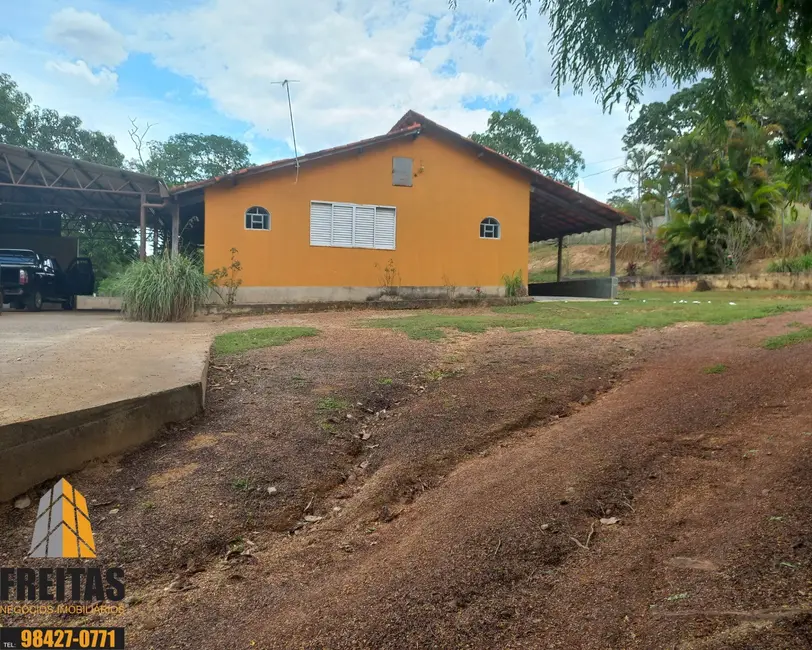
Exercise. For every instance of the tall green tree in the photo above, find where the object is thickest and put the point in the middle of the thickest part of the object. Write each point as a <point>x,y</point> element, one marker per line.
<point>513,134</point>
<point>186,157</point>
<point>732,195</point>
<point>617,47</point>
<point>24,124</point>
<point>658,123</point>
<point>640,165</point>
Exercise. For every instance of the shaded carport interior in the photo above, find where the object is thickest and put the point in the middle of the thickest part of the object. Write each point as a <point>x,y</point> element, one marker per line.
<point>40,192</point>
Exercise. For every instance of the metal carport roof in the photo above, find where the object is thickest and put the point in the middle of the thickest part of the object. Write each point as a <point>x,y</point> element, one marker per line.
<point>33,182</point>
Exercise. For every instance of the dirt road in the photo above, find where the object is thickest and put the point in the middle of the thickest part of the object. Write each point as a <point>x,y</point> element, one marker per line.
<point>509,492</point>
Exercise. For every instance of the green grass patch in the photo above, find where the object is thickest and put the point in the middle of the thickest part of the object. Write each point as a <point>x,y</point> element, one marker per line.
<point>653,309</point>
<point>798,264</point>
<point>263,337</point>
<point>718,369</point>
<point>785,340</point>
<point>332,404</point>
<point>241,484</point>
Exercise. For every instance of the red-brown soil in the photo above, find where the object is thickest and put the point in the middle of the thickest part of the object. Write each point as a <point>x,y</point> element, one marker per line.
<point>462,500</point>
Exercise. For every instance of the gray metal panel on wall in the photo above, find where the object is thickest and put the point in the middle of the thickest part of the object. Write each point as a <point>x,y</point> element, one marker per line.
<point>402,171</point>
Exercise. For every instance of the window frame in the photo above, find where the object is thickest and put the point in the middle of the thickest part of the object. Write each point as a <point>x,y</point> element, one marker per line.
<point>257,211</point>
<point>494,224</point>
<point>354,206</point>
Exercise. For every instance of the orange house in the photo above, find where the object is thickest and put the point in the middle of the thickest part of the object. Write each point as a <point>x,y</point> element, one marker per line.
<point>420,212</point>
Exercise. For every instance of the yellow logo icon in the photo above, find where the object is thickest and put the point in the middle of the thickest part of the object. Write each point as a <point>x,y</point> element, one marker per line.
<point>63,525</point>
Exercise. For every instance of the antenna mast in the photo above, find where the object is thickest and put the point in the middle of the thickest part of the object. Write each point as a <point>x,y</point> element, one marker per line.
<point>286,85</point>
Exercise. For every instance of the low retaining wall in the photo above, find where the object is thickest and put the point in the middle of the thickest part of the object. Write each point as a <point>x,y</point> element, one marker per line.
<point>98,303</point>
<point>294,295</point>
<point>772,281</point>
<point>35,451</point>
<point>586,288</point>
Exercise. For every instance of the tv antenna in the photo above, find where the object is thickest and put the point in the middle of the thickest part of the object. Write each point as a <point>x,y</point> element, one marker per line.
<point>285,83</point>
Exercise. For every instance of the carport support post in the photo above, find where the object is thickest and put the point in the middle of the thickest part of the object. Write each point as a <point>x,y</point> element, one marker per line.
<point>612,251</point>
<point>559,266</point>
<point>143,250</point>
<point>175,228</point>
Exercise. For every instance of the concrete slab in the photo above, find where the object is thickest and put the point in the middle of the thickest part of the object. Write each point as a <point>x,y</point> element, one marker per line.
<point>56,362</point>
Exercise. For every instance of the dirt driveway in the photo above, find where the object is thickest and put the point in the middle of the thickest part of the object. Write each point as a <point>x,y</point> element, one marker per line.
<point>55,361</point>
<point>534,489</point>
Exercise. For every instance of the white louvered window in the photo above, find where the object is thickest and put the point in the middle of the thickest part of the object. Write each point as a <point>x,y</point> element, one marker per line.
<point>348,225</point>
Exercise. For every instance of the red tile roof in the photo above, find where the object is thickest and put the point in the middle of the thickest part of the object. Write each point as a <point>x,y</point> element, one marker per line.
<point>556,209</point>
<point>291,162</point>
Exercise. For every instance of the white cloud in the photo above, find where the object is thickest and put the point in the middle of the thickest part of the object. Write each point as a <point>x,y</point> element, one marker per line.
<point>103,80</point>
<point>65,89</point>
<point>360,63</point>
<point>86,36</point>
<point>357,76</point>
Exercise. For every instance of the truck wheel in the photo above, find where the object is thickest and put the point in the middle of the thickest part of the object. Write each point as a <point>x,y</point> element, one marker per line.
<point>69,304</point>
<point>35,302</point>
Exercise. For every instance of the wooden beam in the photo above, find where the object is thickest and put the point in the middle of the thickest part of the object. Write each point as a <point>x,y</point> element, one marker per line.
<point>560,264</point>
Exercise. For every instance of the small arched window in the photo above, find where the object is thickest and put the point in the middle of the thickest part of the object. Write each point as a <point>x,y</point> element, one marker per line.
<point>257,218</point>
<point>489,228</point>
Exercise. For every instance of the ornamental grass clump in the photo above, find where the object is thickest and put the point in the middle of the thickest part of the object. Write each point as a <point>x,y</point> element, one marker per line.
<point>163,289</point>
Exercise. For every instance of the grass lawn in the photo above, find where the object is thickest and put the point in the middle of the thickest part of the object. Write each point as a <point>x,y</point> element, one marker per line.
<point>798,336</point>
<point>262,337</point>
<point>635,310</point>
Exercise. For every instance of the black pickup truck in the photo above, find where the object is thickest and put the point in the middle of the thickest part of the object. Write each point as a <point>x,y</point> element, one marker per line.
<point>27,280</point>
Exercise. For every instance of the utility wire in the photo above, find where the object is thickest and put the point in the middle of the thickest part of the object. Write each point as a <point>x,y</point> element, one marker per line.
<point>598,162</point>
<point>603,172</point>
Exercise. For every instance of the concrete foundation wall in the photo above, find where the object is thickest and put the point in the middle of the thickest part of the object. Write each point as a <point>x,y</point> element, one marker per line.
<point>768,281</point>
<point>293,295</point>
<point>35,451</point>
<point>586,288</point>
<point>98,303</point>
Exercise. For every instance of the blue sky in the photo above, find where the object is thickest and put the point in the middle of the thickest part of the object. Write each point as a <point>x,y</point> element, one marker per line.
<point>207,66</point>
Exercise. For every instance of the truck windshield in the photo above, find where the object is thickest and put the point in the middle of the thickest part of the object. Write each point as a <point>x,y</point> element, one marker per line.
<point>17,257</point>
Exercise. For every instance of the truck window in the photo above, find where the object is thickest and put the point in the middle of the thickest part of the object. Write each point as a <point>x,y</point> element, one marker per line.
<point>10,257</point>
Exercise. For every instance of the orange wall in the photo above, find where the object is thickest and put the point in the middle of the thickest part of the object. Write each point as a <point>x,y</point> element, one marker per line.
<point>437,237</point>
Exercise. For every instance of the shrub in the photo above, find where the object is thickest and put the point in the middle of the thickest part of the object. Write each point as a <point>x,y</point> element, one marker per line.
<point>691,244</point>
<point>226,278</point>
<point>110,286</point>
<point>514,285</point>
<point>791,265</point>
<point>163,288</point>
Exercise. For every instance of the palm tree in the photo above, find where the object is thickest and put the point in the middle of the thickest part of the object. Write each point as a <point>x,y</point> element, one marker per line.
<point>639,165</point>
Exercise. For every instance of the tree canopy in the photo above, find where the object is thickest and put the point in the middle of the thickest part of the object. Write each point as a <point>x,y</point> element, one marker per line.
<point>24,124</point>
<point>513,134</point>
<point>617,47</point>
<point>186,157</point>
